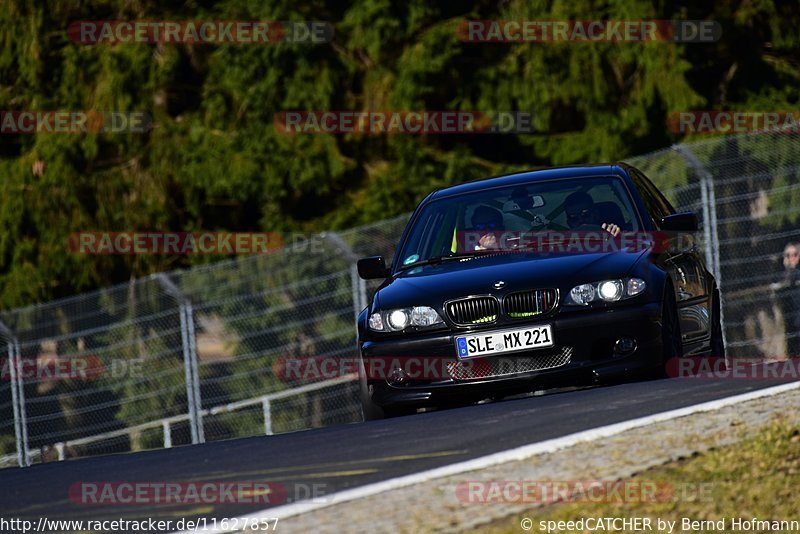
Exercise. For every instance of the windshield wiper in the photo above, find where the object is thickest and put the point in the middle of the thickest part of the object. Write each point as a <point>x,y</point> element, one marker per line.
<point>439,259</point>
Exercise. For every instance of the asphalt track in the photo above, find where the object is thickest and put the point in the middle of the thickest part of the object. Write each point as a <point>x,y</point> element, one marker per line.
<point>346,456</point>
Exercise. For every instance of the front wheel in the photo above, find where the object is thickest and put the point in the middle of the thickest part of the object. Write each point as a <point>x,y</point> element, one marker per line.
<point>717,341</point>
<point>671,343</point>
<point>369,409</point>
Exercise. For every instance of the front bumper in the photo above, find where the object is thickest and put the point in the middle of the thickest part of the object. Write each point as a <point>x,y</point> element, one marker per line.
<point>586,336</point>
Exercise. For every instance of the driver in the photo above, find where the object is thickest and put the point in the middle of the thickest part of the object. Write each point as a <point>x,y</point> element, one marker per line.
<point>487,221</point>
<point>581,210</point>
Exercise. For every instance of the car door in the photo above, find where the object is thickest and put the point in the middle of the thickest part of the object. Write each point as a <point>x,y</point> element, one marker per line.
<point>686,268</point>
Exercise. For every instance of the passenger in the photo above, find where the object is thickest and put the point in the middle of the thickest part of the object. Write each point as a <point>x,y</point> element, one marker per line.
<point>581,211</point>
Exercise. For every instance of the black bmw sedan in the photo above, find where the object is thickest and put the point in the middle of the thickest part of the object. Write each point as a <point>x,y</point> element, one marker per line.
<point>550,278</point>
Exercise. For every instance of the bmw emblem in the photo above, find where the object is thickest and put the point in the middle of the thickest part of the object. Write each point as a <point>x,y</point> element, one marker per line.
<point>499,284</point>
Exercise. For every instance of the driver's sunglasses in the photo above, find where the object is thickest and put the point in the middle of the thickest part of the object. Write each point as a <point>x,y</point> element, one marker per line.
<point>486,226</point>
<point>791,254</point>
<point>579,216</point>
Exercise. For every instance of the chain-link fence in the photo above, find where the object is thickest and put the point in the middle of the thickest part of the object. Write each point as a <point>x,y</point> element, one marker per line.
<point>239,348</point>
<point>746,192</point>
<point>190,356</point>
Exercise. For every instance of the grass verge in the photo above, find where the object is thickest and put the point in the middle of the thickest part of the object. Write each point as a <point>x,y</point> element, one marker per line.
<point>758,477</point>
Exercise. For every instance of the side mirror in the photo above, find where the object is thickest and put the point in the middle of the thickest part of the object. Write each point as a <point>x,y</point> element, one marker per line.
<point>372,268</point>
<point>680,222</point>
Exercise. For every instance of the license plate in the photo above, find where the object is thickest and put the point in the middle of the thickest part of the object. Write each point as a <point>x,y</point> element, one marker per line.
<point>504,341</point>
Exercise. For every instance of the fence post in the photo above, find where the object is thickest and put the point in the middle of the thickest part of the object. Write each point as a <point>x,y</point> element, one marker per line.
<point>17,397</point>
<point>189,357</point>
<point>192,337</point>
<point>357,285</point>
<point>22,412</point>
<point>709,201</point>
<point>167,429</point>
<point>362,292</point>
<point>355,289</point>
<point>702,175</point>
<point>267,409</point>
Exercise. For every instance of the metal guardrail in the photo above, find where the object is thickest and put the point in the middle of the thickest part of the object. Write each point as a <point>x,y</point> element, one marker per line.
<point>166,423</point>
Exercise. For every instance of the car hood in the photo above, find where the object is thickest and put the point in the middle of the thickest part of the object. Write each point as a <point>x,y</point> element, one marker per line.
<point>434,284</point>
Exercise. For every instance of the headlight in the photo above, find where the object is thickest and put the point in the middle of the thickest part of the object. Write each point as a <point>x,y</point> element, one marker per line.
<point>582,294</point>
<point>424,316</point>
<point>607,291</point>
<point>610,290</point>
<point>376,321</point>
<point>399,319</point>
<point>635,286</point>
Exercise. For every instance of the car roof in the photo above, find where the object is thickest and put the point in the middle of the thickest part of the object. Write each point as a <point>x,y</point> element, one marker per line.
<point>572,171</point>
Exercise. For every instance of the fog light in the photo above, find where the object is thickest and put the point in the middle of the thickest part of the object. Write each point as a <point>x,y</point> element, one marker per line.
<point>397,377</point>
<point>624,346</point>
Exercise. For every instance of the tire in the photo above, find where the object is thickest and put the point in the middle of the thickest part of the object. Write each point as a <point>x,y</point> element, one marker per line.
<point>717,340</point>
<point>369,409</point>
<point>671,343</point>
<point>372,411</point>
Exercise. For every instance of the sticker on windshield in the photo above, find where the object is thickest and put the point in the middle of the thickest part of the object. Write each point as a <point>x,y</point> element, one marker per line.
<point>411,259</point>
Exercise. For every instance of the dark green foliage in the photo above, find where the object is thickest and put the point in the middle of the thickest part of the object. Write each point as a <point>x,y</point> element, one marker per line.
<point>214,160</point>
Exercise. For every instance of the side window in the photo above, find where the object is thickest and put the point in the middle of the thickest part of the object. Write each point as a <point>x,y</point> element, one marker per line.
<point>659,197</point>
<point>654,201</point>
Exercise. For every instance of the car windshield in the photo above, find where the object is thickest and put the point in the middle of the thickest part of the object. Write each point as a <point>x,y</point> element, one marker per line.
<point>457,224</point>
